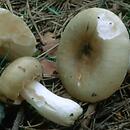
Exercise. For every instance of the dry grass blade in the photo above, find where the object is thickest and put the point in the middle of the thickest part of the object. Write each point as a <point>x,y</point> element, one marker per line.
<point>44,53</point>
<point>52,16</point>
<point>9,5</point>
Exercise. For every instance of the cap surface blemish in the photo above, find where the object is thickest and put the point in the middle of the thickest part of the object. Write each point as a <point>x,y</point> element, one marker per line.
<point>107,27</point>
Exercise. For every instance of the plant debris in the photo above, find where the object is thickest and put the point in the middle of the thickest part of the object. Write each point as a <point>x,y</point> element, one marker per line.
<point>47,19</point>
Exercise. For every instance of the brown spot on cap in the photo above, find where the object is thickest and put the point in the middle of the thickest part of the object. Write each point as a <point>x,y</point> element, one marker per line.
<point>94,94</point>
<point>21,68</point>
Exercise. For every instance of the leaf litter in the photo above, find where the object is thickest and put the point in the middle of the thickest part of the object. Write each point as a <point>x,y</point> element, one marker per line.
<point>47,19</point>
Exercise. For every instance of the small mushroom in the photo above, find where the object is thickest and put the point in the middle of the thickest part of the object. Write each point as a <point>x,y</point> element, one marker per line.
<point>93,55</point>
<point>21,78</point>
<point>16,39</point>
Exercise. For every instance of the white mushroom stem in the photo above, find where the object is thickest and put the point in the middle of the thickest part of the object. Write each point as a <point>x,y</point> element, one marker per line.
<point>57,109</point>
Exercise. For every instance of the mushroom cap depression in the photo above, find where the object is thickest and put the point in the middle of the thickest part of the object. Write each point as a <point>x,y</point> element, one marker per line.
<point>93,55</point>
<point>16,39</point>
<point>18,75</point>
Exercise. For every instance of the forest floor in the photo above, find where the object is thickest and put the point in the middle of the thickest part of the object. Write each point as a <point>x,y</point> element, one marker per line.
<point>47,19</point>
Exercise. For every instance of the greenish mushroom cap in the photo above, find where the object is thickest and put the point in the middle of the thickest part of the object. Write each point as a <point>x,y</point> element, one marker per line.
<point>93,55</point>
<point>18,75</point>
<point>16,39</point>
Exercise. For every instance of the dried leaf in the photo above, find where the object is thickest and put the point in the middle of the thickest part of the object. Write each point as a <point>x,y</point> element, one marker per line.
<point>50,40</point>
<point>49,67</point>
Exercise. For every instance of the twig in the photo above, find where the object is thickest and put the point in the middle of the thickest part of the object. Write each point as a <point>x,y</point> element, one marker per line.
<point>18,120</point>
<point>125,5</point>
<point>85,121</point>
<point>9,5</point>
<point>47,51</point>
<point>32,126</point>
<point>88,115</point>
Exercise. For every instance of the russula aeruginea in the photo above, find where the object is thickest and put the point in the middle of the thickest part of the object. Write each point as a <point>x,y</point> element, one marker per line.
<point>93,55</point>
<point>16,39</point>
<point>21,78</point>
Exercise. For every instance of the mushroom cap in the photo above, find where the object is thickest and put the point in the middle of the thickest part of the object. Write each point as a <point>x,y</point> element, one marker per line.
<point>93,55</point>
<point>18,75</point>
<point>16,39</point>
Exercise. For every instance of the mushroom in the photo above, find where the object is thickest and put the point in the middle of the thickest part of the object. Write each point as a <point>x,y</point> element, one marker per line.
<point>93,55</point>
<point>16,39</point>
<point>21,78</point>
